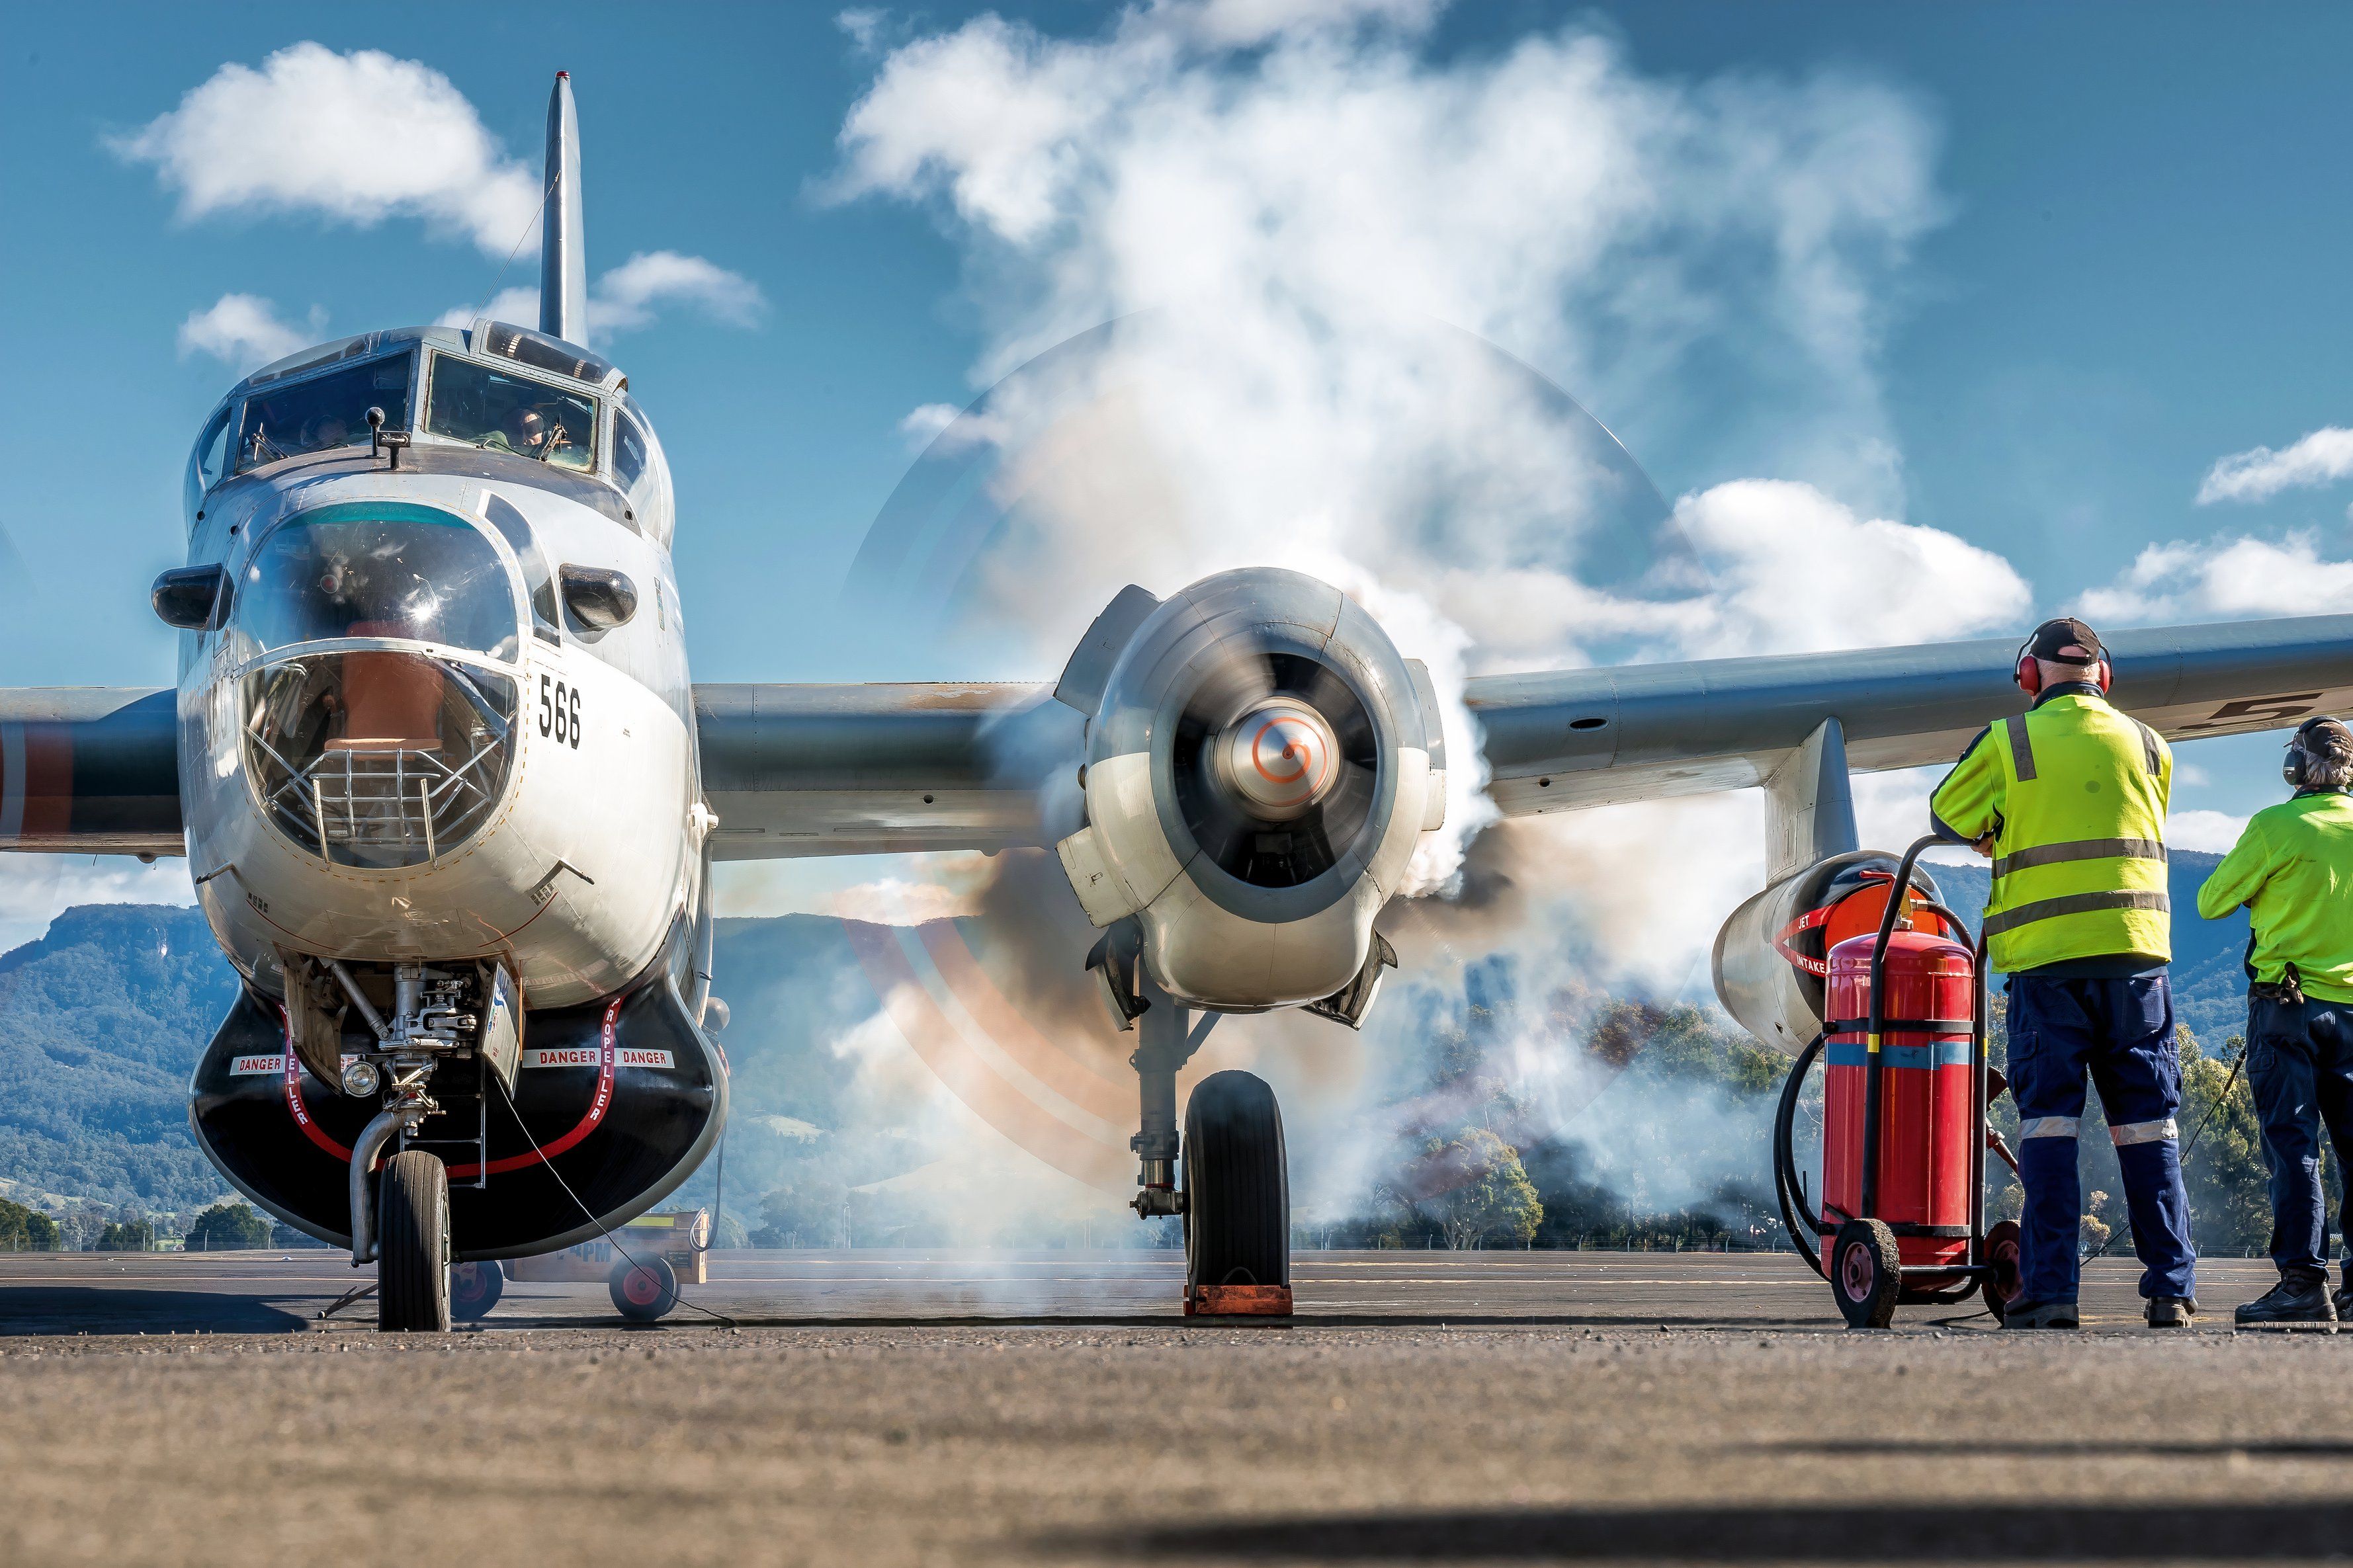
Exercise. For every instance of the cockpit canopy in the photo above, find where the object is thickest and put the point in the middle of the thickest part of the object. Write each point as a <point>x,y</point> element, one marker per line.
<point>494,388</point>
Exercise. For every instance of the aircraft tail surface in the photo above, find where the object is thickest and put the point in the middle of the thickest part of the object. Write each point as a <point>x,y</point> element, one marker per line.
<point>563,248</point>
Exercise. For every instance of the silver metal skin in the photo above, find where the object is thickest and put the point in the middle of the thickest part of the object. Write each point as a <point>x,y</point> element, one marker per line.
<point>564,248</point>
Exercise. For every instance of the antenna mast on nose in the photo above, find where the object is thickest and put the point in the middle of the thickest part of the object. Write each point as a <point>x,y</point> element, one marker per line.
<point>563,249</point>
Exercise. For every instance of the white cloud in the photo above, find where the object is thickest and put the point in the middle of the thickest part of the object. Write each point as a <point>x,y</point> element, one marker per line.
<point>357,138</point>
<point>1306,208</point>
<point>2224,576</point>
<point>2322,458</point>
<point>244,331</point>
<point>627,297</point>
<point>923,423</point>
<point>2207,832</point>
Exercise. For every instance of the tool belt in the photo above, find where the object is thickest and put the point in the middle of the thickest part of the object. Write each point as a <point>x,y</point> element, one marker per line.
<point>2287,991</point>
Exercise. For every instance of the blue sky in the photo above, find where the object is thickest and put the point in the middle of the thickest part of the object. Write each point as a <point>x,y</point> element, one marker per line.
<point>2118,261</point>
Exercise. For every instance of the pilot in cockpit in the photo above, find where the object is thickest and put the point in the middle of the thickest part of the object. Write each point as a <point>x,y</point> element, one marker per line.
<point>326,431</point>
<point>526,432</point>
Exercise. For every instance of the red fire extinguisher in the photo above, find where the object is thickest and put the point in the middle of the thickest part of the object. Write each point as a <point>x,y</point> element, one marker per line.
<point>1906,1091</point>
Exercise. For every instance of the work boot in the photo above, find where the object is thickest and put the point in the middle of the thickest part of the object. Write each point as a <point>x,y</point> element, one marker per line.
<point>2300,1300</point>
<point>2343,1300</point>
<point>2171,1311</point>
<point>2039,1315</point>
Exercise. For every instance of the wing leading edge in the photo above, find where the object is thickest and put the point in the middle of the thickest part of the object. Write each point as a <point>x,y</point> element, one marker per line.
<point>90,769</point>
<point>1595,737</point>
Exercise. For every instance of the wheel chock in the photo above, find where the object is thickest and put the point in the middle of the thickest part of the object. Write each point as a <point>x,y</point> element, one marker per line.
<point>1238,1301</point>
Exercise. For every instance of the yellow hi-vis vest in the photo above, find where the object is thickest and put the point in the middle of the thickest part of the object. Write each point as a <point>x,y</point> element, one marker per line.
<point>2075,794</point>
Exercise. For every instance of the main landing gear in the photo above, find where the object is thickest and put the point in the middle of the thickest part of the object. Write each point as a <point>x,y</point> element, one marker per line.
<point>1235,1196</point>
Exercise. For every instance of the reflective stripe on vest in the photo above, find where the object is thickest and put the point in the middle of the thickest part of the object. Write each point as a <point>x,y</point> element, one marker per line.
<point>2080,849</point>
<point>2073,904</point>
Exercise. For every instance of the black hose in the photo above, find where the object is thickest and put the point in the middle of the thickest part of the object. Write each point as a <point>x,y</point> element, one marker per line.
<point>1785,1160</point>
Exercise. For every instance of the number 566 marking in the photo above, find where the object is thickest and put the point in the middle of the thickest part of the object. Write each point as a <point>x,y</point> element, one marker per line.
<point>559,712</point>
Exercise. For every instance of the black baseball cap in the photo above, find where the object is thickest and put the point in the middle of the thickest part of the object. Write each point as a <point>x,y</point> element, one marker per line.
<point>2325,738</point>
<point>2066,641</point>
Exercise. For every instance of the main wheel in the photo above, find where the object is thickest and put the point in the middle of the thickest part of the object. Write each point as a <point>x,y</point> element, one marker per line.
<point>1237,1186</point>
<point>644,1291</point>
<point>475,1289</point>
<point>2003,1250</point>
<point>1866,1273</point>
<point>411,1251</point>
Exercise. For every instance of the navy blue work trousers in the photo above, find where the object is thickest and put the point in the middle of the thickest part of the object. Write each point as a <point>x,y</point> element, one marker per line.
<point>2300,1065</point>
<point>2121,1032</point>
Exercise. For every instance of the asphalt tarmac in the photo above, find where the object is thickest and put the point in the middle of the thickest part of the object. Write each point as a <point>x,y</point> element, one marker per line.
<point>879,1408</point>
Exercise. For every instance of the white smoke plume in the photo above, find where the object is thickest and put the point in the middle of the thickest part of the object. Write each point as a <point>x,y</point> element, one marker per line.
<point>1305,220</point>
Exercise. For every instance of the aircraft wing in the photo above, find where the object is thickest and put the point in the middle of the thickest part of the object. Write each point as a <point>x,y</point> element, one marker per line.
<point>867,769</point>
<point>90,770</point>
<point>1592,737</point>
<point>798,770</point>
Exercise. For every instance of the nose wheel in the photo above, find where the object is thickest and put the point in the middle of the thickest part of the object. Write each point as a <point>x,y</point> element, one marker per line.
<point>413,1245</point>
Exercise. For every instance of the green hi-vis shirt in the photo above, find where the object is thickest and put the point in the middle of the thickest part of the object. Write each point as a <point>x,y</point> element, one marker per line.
<point>2293,867</point>
<point>2075,794</point>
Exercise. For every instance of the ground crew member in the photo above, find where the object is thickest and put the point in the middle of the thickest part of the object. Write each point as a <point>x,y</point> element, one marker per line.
<point>2293,867</point>
<point>2069,798</point>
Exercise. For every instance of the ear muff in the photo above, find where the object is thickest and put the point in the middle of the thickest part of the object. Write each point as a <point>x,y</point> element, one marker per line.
<point>2026,672</point>
<point>2292,764</point>
<point>2105,676</point>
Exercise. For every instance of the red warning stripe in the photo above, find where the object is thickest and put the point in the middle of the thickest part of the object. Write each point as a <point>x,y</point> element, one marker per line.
<point>311,1129</point>
<point>596,1108</point>
<point>588,1123</point>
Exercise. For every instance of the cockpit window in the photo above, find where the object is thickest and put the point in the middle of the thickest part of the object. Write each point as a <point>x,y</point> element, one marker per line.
<point>379,570</point>
<point>503,412</point>
<point>322,412</point>
<point>628,451</point>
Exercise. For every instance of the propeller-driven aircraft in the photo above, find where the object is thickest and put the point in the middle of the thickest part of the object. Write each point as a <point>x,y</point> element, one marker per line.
<point>451,802</point>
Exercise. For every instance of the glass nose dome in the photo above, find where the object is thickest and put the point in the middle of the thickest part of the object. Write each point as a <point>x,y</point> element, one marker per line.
<point>379,570</point>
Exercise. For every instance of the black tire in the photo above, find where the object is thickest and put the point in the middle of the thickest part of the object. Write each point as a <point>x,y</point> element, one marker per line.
<point>411,1251</point>
<point>1236,1185</point>
<point>2002,1245</point>
<point>1866,1273</point>
<point>475,1289</point>
<point>643,1290</point>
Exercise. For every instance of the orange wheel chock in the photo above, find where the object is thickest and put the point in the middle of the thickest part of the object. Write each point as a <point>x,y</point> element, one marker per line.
<point>1238,1301</point>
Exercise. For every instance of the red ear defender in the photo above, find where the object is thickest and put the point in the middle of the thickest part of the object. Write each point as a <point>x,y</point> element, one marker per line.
<point>2105,677</point>
<point>2029,675</point>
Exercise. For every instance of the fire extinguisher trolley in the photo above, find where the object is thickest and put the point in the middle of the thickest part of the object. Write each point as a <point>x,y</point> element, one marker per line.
<point>1906,1094</point>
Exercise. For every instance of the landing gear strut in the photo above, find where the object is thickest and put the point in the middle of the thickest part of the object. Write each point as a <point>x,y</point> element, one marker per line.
<point>1235,1195</point>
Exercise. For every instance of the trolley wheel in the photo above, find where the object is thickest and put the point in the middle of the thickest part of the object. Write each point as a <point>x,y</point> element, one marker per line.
<point>475,1289</point>
<point>644,1291</point>
<point>2002,1245</point>
<point>412,1269</point>
<point>1237,1186</point>
<point>1866,1273</point>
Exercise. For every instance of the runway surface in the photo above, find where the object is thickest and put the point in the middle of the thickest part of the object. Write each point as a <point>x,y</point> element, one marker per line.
<point>881,1408</point>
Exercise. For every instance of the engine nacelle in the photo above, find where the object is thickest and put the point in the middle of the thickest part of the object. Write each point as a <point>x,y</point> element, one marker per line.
<point>1260,765</point>
<point>1772,956</point>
